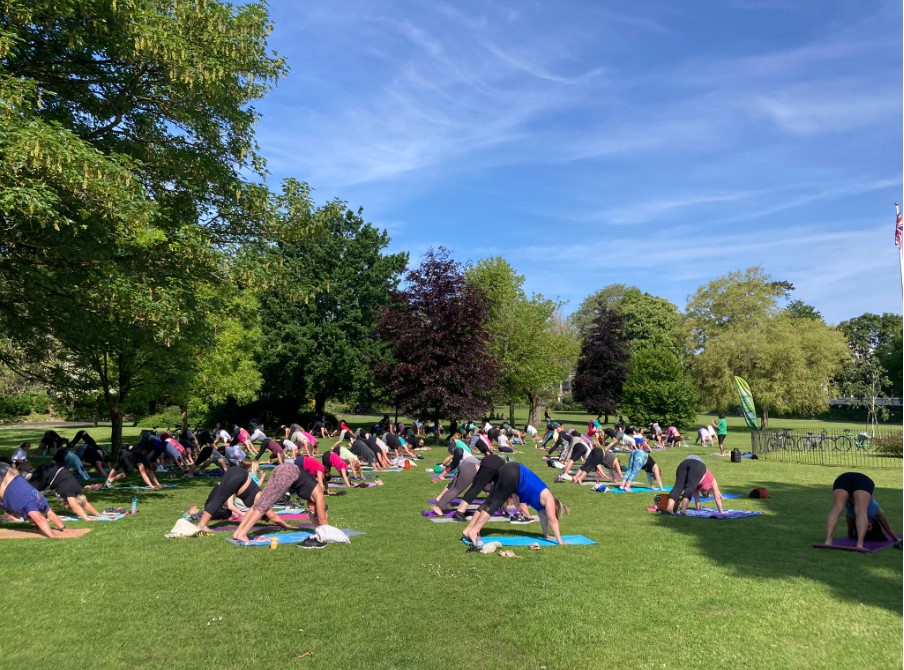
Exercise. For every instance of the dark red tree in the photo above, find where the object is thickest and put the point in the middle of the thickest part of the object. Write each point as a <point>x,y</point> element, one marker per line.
<point>603,365</point>
<point>435,328</point>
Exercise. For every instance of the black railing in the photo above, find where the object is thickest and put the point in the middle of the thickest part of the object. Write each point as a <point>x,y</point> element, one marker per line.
<point>847,448</point>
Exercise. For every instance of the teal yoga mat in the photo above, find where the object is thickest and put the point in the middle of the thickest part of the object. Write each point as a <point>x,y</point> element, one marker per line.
<point>525,540</point>
<point>285,538</point>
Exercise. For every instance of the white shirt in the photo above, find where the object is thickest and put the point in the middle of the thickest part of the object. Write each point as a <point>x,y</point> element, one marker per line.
<point>223,435</point>
<point>258,436</point>
<point>532,431</point>
<point>19,455</point>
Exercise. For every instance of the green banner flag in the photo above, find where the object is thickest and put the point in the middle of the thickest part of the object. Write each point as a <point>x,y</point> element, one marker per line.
<point>747,406</point>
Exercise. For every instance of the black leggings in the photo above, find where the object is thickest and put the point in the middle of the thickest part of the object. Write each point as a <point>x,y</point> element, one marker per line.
<point>854,481</point>
<point>506,484</point>
<point>486,475</point>
<point>229,485</point>
<point>594,459</point>
<point>688,476</point>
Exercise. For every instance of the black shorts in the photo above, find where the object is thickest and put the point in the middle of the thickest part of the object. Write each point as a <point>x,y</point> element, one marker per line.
<point>595,459</point>
<point>854,481</point>
<point>68,487</point>
<point>649,465</point>
<point>721,440</point>
<point>578,452</point>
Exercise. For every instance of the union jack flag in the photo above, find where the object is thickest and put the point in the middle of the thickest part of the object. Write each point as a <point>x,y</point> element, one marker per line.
<point>899,226</point>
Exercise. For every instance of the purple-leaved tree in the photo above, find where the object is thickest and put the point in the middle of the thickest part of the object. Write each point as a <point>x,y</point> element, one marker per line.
<point>603,365</point>
<point>435,328</point>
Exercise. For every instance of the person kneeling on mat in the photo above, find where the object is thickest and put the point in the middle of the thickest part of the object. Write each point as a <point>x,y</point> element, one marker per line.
<point>516,479</point>
<point>285,478</point>
<point>63,483</point>
<point>23,501</point>
<point>852,493</point>
<point>692,477</point>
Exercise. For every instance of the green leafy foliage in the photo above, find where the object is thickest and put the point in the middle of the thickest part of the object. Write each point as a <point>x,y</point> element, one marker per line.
<point>658,388</point>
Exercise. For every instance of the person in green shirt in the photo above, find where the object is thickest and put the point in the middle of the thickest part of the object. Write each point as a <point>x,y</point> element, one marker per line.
<point>721,426</point>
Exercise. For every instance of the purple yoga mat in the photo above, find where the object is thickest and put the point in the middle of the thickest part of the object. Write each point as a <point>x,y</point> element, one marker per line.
<point>334,485</point>
<point>430,514</point>
<point>847,544</point>
<point>457,501</point>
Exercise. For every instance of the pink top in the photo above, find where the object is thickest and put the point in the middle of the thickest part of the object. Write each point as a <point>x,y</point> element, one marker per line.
<point>337,462</point>
<point>175,445</point>
<point>310,438</point>
<point>244,435</point>
<point>706,483</point>
<point>312,466</point>
<point>672,431</point>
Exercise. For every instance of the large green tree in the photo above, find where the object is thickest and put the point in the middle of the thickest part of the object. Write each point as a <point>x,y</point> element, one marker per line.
<point>320,316</point>
<point>658,388</point>
<point>526,338</point>
<point>126,138</point>
<point>606,298</point>
<point>874,367</point>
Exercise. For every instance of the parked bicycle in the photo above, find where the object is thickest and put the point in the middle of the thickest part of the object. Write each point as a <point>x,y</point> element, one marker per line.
<point>848,441</point>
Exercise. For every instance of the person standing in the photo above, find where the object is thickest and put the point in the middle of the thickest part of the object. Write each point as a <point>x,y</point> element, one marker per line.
<point>721,432</point>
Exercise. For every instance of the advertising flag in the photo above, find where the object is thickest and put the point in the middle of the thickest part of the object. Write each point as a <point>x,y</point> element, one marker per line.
<point>747,406</point>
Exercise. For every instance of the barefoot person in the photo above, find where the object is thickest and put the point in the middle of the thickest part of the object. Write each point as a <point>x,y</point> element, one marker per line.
<point>852,493</point>
<point>692,478</point>
<point>285,478</point>
<point>517,479</point>
<point>604,463</point>
<point>23,501</point>
<point>63,483</point>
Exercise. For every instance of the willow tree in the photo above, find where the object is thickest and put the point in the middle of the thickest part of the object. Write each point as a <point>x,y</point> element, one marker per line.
<point>126,142</point>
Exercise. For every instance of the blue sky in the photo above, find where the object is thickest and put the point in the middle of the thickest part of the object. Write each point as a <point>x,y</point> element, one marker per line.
<point>657,144</point>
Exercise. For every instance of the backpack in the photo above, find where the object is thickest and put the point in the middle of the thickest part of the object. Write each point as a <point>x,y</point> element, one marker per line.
<point>759,493</point>
<point>735,455</point>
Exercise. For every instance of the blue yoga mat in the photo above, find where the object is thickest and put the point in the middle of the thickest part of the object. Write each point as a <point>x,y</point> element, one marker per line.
<point>525,540</point>
<point>105,517</point>
<point>634,489</point>
<point>285,538</point>
<point>708,513</point>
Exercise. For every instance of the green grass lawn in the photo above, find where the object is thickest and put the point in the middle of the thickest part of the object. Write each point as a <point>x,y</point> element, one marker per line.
<point>655,592</point>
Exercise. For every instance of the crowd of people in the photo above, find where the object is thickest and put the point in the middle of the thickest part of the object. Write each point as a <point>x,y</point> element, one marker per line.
<point>479,462</point>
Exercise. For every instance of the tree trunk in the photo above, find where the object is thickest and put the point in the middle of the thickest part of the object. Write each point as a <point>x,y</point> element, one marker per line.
<point>115,433</point>
<point>436,437</point>
<point>606,415</point>
<point>319,404</point>
<point>533,412</point>
<point>764,418</point>
<point>512,413</point>
<point>183,415</point>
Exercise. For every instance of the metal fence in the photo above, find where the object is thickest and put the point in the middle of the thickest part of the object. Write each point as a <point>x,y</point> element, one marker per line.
<point>848,448</point>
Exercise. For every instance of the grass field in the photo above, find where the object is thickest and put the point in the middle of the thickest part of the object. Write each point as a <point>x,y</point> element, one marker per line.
<point>655,592</point>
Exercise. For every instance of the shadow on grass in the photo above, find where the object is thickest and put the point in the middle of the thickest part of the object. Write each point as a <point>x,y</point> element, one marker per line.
<point>777,544</point>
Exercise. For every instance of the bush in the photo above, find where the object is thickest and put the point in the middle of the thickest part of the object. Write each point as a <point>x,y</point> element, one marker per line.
<point>889,445</point>
<point>568,405</point>
<point>15,405</point>
<point>169,417</point>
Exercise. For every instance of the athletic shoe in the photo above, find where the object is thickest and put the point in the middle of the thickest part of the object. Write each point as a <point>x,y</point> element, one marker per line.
<point>520,519</point>
<point>459,516</point>
<point>311,543</point>
<point>107,485</point>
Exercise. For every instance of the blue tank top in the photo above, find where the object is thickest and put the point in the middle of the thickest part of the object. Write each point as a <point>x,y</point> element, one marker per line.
<point>871,511</point>
<point>530,486</point>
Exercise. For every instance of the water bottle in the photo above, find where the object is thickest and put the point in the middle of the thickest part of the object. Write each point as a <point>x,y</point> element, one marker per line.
<point>134,505</point>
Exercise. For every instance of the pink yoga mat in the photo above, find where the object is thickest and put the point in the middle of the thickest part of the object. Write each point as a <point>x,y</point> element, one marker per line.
<point>847,544</point>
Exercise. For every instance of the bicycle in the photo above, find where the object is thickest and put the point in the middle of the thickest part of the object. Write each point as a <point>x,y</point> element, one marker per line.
<point>846,442</point>
<point>813,443</point>
<point>782,441</point>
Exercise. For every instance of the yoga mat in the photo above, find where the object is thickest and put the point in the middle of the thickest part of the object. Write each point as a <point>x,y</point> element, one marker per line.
<point>11,534</point>
<point>285,538</point>
<point>368,485</point>
<point>430,514</point>
<point>848,544</point>
<point>634,489</point>
<point>711,513</point>
<point>139,488</point>
<point>525,540</point>
<point>448,519</point>
<point>457,501</point>
<point>104,517</point>
<point>289,510</point>
<point>364,468</point>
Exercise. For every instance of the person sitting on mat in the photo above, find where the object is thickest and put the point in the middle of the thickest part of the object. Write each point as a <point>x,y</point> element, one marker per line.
<point>517,479</point>
<point>58,479</point>
<point>692,477</point>
<point>20,458</point>
<point>235,483</point>
<point>852,493</point>
<point>599,460</point>
<point>285,478</point>
<point>23,501</point>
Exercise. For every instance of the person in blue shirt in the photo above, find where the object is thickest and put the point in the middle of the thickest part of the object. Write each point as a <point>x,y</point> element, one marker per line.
<point>23,501</point>
<point>517,479</point>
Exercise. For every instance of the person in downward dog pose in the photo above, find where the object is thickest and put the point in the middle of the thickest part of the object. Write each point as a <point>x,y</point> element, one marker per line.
<point>852,494</point>
<point>58,479</point>
<point>517,479</point>
<point>692,478</point>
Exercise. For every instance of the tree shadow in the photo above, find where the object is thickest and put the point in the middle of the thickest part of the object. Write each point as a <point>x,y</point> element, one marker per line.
<point>777,544</point>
